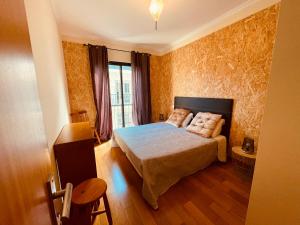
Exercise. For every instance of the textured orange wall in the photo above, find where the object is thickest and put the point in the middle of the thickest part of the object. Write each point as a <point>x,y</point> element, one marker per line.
<point>79,79</point>
<point>231,63</point>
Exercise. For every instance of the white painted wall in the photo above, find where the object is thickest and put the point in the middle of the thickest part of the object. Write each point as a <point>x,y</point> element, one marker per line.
<point>275,194</point>
<point>119,56</point>
<point>49,65</point>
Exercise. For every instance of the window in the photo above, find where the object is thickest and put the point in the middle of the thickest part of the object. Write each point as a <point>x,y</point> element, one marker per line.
<point>121,94</point>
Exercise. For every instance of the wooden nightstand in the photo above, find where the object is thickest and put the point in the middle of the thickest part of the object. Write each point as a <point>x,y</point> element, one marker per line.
<point>243,161</point>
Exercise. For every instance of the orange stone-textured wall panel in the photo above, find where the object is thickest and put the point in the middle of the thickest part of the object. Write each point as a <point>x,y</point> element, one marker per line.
<point>233,62</point>
<point>79,79</point>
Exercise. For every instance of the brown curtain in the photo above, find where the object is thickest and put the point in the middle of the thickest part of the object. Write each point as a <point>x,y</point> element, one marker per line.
<point>100,79</point>
<point>141,88</point>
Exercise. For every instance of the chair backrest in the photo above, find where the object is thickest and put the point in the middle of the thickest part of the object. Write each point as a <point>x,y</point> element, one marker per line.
<point>82,116</point>
<point>79,116</point>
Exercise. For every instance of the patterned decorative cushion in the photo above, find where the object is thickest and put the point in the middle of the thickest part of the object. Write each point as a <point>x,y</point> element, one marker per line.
<point>204,124</point>
<point>177,117</point>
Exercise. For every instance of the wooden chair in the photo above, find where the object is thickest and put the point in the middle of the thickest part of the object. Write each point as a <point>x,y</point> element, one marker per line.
<point>86,200</point>
<point>82,116</point>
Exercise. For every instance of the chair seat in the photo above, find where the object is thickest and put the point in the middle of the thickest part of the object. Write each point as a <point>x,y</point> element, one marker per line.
<point>89,191</point>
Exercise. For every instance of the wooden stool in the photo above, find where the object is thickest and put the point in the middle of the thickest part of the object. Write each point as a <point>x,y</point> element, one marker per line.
<point>85,198</point>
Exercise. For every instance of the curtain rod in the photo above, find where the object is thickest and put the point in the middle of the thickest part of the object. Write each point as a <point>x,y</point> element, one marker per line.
<point>114,49</point>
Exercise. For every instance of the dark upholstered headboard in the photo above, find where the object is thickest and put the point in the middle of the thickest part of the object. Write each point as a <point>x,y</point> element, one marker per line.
<point>214,105</point>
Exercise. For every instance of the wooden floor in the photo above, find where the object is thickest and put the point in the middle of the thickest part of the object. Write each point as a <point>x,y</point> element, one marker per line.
<point>216,195</point>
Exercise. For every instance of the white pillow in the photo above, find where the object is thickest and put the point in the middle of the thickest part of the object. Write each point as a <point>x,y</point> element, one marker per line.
<point>187,120</point>
<point>218,128</point>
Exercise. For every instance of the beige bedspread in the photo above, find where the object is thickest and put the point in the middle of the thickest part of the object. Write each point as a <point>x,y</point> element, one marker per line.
<point>162,154</point>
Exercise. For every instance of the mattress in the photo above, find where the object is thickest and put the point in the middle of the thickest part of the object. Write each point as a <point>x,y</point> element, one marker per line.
<point>162,154</point>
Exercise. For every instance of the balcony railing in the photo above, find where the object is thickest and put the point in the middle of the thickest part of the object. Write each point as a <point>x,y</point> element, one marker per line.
<point>116,99</point>
<point>117,110</point>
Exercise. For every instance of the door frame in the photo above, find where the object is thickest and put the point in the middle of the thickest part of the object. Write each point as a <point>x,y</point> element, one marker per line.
<point>120,64</point>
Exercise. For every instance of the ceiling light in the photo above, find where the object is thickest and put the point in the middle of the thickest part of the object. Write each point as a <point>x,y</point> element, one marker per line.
<point>155,8</point>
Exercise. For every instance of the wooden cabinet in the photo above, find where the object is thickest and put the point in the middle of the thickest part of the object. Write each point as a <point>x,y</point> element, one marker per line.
<point>74,154</point>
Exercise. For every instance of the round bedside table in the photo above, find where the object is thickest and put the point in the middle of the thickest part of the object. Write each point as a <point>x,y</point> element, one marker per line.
<point>244,161</point>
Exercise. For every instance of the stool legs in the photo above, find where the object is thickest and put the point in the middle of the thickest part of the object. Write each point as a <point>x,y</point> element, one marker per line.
<point>81,216</point>
<point>107,209</point>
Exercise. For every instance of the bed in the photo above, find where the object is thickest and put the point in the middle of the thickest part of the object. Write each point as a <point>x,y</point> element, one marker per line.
<point>162,154</point>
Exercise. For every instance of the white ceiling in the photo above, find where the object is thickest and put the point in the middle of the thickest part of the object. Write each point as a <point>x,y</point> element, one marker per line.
<point>128,23</point>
